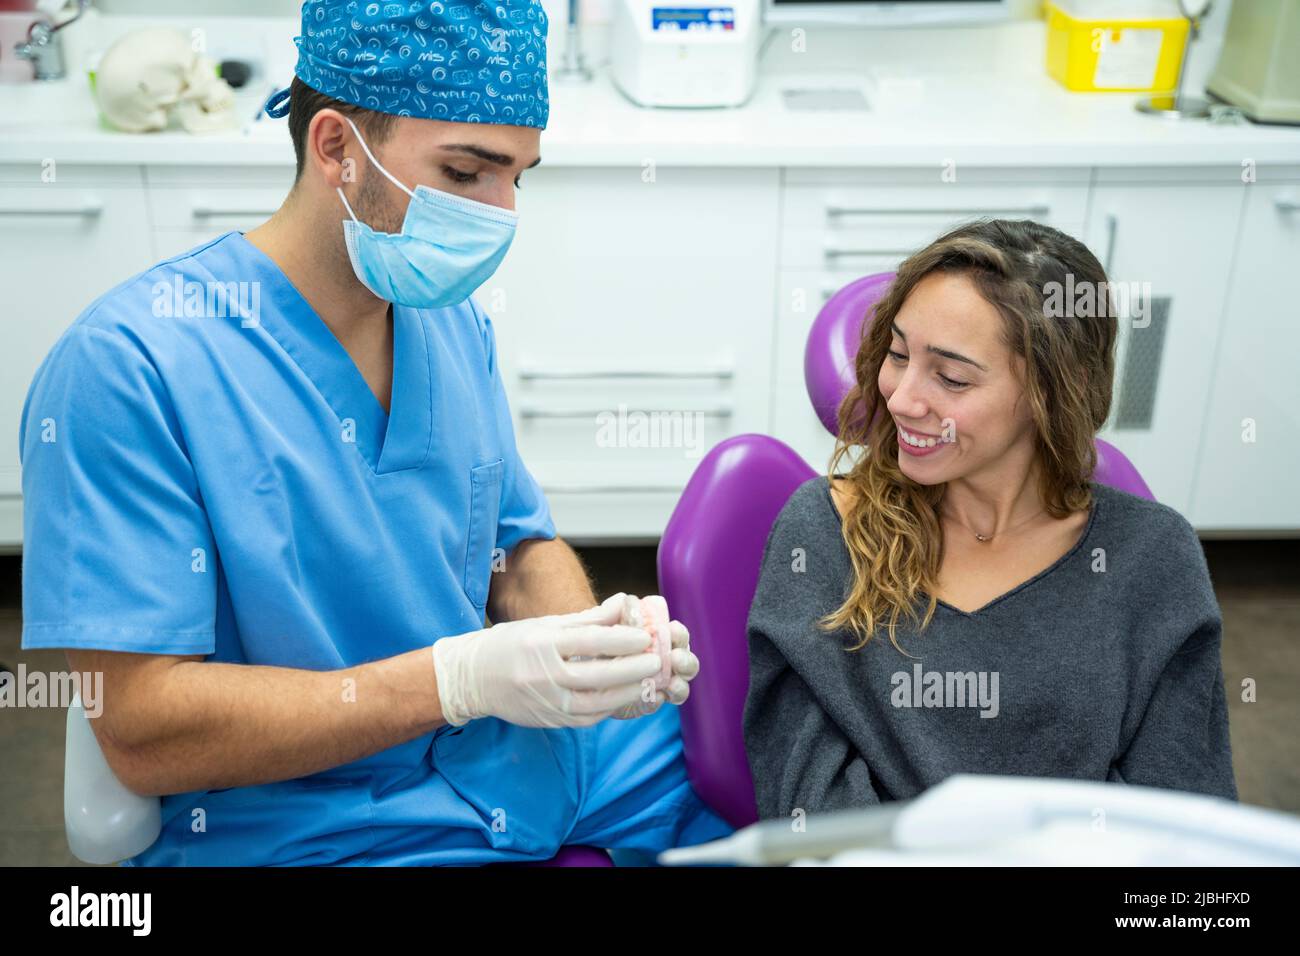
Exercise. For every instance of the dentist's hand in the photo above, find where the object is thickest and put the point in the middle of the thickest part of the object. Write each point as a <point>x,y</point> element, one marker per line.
<point>518,671</point>
<point>685,667</point>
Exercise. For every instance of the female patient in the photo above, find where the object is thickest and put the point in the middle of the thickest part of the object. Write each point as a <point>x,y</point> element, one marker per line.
<point>965,598</point>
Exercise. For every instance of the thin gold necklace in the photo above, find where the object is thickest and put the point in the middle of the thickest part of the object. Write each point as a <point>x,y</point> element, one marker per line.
<point>1005,531</point>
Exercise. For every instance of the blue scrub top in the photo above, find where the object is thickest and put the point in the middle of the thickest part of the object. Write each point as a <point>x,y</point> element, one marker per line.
<point>205,471</point>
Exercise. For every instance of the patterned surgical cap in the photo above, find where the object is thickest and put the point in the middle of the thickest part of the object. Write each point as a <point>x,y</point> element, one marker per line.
<point>467,62</point>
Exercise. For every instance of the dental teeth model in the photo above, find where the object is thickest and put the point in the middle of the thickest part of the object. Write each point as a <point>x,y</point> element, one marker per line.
<point>651,613</point>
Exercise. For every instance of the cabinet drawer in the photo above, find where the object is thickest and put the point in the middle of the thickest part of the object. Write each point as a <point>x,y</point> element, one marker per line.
<point>795,423</point>
<point>204,201</point>
<point>62,245</point>
<point>214,210</point>
<point>635,433</point>
<point>867,229</point>
<point>802,293</point>
<point>612,514</point>
<point>54,174</point>
<point>1172,247</point>
<point>1249,462</point>
<point>634,330</point>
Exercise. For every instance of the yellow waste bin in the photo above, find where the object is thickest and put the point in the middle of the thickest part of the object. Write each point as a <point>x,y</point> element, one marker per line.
<point>1132,46</point>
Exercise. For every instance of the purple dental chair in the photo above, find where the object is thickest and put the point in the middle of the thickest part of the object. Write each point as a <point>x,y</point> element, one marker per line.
<point>710,553</point>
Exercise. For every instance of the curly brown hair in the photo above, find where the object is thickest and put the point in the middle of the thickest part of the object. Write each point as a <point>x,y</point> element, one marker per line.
<point>891,524</point>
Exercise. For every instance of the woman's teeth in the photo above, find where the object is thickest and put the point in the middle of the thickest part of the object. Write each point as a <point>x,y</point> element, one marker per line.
<point>917,440</point>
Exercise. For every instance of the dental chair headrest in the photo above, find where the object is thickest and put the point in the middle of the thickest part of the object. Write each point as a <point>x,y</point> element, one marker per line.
<point>833,344</point>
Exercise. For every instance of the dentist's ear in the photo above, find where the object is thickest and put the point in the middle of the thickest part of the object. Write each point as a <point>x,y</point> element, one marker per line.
<point>328,136</point>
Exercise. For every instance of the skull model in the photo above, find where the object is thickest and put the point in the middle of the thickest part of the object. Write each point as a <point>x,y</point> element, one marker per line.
<point>148,76</point>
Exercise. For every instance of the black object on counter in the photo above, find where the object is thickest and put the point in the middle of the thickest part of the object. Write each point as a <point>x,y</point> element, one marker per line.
<point>235,72</point>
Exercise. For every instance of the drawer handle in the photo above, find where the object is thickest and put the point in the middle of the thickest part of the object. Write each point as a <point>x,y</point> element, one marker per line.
<point>833,253</point>
<point>834,211</point>
<point>537,374</point>
<point>1286,205</point>
<point>211,212</point>
<point>1112,232</point>
<point>611,489</point>
<point>92,208</point>
<point>533,411</point>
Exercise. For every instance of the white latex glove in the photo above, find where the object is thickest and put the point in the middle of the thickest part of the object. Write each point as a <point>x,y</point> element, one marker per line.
<point>685,666</point>
<point>519,672</point>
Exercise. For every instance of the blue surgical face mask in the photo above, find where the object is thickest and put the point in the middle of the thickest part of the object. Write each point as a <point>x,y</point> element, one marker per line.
<point>447,248</point>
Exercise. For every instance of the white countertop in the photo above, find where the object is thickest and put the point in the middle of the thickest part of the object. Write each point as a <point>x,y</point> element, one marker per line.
<point>977,96</point>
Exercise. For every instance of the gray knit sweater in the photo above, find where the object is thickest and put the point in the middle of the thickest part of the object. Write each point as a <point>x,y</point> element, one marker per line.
<point>1104,666</point>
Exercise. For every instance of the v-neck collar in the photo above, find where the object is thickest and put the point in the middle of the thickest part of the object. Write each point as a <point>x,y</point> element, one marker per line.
<point>388,441</point>
<point>1095,505</point>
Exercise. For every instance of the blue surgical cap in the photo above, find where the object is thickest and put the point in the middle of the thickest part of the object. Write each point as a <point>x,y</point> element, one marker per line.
<point>466,62</point>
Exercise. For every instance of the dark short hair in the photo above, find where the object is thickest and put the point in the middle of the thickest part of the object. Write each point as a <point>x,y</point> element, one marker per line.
<point>305,102</point>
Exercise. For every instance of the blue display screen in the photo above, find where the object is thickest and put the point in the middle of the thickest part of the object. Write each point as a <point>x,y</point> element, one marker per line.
<point>693,19</point>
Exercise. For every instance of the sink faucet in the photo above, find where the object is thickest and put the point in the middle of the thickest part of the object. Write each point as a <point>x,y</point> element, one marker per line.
<point>44,50</point>
<point>573,69</point>
<point>44,46</point>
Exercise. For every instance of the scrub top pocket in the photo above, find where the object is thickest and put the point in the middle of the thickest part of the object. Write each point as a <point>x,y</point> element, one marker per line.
<point>521,783</point>
<point>484,511</point>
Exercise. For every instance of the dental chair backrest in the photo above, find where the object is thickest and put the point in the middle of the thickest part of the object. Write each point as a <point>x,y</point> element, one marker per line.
<point>712,548</point>
<point>104,821</point>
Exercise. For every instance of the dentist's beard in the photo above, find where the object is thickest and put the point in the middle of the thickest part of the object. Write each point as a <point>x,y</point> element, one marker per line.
<point>379,204</point>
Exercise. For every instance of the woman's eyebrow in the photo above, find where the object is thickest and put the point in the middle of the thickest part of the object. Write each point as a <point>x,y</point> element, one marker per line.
<point>946,353</point>
<point>955,356</point>
<point>497,159</point>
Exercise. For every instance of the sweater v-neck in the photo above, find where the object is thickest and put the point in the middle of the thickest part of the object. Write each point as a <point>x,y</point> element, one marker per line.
<point>1017,589</point>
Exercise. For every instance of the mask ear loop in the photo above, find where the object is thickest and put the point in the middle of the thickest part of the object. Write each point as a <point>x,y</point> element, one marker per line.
<point>374,162</point>
<point>346,204</point>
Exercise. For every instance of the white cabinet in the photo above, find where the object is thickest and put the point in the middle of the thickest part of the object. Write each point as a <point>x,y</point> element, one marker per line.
<point>635,326</point>
<point>1172,245</point>
<point>641,322</point>
<point>840,225</point>
<point>192,204</point>
<point>1248,476</point>
<point>62,245</point>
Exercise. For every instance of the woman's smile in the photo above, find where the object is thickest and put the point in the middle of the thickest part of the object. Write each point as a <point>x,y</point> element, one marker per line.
<point>917,443</point>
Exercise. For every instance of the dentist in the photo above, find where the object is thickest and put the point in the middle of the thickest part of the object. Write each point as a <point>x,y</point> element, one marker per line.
<point>276,528</point>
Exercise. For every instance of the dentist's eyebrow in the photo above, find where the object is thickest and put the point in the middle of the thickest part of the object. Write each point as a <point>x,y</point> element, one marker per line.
<point>496,159</point>
<point>946,353</point>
